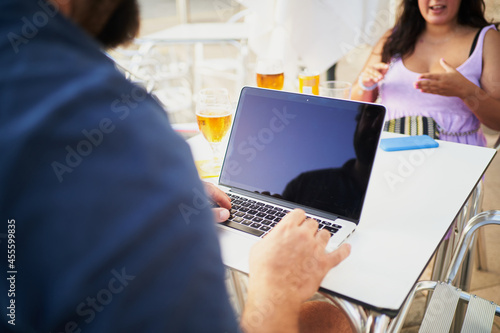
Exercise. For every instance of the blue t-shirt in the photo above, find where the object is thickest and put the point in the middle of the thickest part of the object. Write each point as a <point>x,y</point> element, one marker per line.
<point>112,230</point>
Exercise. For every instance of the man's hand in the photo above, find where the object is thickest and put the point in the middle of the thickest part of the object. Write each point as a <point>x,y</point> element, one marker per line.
<point>221,213</point>
<point>286,269</point>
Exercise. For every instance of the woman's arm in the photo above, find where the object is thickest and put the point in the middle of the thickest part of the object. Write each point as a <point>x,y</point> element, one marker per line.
<point>373,72</point>
<point>484,101</point>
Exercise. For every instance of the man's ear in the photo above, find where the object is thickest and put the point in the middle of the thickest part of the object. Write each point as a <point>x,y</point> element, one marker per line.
<point>64,6</point>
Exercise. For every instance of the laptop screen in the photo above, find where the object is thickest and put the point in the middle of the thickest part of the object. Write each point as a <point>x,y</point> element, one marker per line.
<point>314,151</point>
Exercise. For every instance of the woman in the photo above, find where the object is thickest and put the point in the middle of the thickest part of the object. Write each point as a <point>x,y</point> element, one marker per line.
<point>437,71</point>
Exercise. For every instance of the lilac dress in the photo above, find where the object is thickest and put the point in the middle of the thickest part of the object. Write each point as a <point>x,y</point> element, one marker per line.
<point>456,121</point>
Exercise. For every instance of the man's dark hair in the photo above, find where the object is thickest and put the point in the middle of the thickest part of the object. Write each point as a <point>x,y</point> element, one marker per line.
<point>122,26</point>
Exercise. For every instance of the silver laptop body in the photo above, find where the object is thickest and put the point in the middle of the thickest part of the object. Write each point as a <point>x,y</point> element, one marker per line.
<point>289,150</point>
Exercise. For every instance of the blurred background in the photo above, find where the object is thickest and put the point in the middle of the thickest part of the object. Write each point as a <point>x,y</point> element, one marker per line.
<point>333,37</point>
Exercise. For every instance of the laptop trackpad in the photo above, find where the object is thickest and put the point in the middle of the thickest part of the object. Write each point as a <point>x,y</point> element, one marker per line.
<point>235,247</point>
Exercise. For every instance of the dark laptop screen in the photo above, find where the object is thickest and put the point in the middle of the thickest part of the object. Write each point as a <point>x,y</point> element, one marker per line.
<point>313,151</point>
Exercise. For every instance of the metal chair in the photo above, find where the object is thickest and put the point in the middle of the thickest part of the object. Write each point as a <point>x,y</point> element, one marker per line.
<point>444,253</point>
<point>442,308</point>
<point>161,71</point>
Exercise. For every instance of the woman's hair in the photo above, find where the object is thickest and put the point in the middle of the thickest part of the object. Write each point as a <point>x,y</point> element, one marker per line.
<point>410,25</point>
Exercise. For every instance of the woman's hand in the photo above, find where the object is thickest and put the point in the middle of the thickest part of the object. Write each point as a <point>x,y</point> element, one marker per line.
<point>450,83</point>
<point>373,74</point>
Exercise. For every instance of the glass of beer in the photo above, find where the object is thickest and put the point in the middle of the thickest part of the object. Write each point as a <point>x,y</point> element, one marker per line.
<point>270,73</point>
<point>309,82</point>
<point>214,115</point>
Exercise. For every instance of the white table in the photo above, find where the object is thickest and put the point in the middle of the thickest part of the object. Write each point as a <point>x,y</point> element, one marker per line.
<point>411,202</point>
<point>199,34</point>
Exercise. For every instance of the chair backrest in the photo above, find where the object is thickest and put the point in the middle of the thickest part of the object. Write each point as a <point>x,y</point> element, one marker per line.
<point>446,298</point>
<point>444,304</point>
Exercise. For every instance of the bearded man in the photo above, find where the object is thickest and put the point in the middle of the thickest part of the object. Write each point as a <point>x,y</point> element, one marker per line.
<point>92,178</point>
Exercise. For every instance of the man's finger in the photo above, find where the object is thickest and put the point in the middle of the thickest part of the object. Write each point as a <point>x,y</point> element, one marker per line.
<point>337,256</point>
<point>311,224</point>
<point>295,217</point>
<point>220,214</point>
<point>323,236</point>
<point>217,195</point>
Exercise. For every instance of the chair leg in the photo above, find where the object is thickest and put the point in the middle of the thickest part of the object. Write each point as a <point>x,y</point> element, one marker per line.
<point>482,262</point>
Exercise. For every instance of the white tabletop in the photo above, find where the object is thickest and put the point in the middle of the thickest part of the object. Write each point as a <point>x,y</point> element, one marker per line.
<point>200,32</point>
<point>411,202</point>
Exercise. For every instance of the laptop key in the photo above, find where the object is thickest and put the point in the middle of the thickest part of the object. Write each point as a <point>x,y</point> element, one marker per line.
<point>244,228</point>
<point>331,229</point>
<point>246,222</point>
<point>256,225</point>
<point>266,222</point>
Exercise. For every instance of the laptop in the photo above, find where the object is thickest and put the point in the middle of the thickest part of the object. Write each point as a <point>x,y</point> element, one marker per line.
<point>288,150</point>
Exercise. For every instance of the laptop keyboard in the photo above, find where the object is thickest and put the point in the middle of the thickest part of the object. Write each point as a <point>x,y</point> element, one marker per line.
<point>258,218</point>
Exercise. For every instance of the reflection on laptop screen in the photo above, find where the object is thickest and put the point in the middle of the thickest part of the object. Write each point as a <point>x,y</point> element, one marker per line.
<point>310,150</point>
